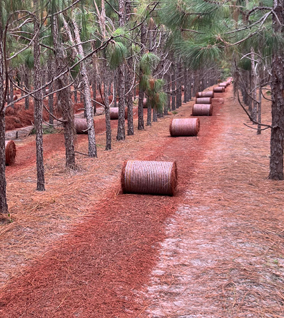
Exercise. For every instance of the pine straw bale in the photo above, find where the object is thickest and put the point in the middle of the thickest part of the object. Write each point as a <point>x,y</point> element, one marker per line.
<point>202,110</point>
<point>81,125</point>
<point>145,102</point>
<point>149,177</point>
<point>203,100</point>
<point>184,127</point>
<point>10,152</point>
<point>224,84</point>
<point>219,89</point>
<point>205,94</point>
<point>113,111</point>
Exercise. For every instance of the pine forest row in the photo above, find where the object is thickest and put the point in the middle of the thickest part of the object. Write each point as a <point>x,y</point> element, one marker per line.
<point>128,52</point>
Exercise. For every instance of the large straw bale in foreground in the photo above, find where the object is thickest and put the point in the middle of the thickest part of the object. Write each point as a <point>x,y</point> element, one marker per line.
<point>184,127</point>
<point>149,177</point>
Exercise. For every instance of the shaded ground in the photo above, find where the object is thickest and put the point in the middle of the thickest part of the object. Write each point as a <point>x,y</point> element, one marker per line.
<point>82,249</point>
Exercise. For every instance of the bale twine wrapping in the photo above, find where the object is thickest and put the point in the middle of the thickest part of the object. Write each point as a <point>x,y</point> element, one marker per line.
<point>149,177</point>
<point>202,110</point>
<point>205,94</point>
<point>81,125</point>
<point>184,127</point>
<point>219,89</point>
<point>203,100</point>
<point>113,112</point>
<point>10,152</point>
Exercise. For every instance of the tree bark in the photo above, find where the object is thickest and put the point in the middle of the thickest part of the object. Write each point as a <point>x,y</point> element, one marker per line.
<point>277,96</point>
<point>173,77</point>
<point>64,99</point>
<point>92,151</point>
<point>38,106</point>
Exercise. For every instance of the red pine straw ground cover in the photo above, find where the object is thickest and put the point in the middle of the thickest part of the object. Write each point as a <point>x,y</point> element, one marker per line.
<point>83,249</point>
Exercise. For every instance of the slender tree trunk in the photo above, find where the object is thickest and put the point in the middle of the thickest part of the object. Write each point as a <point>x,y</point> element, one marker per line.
<point>259,109</point>
<point>179,82</point>
<point>149,114</point>
<point>26,81</point>
<point>38,105</point>
<point>185,85</point>
<point>3,196</point>
<point>121,105</point>
<point>141,93</point>
<point>173,87</point>
<point>155,115</point>
<point>129,100</point>
<point>87,92</point>
<point>50,89</point>
<point>64,99</point>
<point>107,113</point>
<point>277,96</point>
<point>254,86</point>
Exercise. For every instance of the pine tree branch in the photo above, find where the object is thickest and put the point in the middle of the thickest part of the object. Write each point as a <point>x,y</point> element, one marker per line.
<point>249,116</point>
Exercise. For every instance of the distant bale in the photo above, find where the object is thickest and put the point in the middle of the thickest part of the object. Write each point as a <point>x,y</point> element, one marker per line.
<point>10,152</point>
<point>81,125</point>
<point>203,100</point>
<point>184,127</point>
<point>145,102</point>
<point>219,89</point>
<point>202,110</point>
<point>224,84</point>
<point>205,94</point>
<point>149,177</point>
<point>113,111</point>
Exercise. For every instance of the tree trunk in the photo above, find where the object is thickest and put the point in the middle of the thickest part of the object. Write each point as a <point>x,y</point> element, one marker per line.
<point>173,87</point>
<point>141,93</point>
<point>64,99</point>
<point>92,151</point>
<point>3,197</point>
<point>277,96</point>
<point>121,105</point>
<point>38,105</point>
<point>50,89</point>
<point>107,113</point>
<point>129,100</point>
<point>185,85</point>
<point>179,82</point>
<point>149,114</point>
<point>26,81</point>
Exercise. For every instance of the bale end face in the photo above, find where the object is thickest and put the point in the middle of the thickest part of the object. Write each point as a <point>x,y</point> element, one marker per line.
<point>149,177</point>
<point>10,152</point>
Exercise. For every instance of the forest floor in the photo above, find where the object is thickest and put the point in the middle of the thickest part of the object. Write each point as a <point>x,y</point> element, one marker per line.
<point>84,249</point>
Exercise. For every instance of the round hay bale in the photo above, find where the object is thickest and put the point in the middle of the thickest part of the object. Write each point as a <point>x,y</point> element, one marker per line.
<point>184,127</point>
<point>202,110</point>
<point>219,89</point>
<point>205,94</point>
<point>149,177</point>
<point>10,152</point>
<point>113,112</point>
<point>224,84</point>
<point>145,102</point>
<point>81,125</point>
<point>203,100</point>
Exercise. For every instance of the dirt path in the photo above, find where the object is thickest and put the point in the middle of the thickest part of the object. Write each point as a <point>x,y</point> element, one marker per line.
<point>213,250</point>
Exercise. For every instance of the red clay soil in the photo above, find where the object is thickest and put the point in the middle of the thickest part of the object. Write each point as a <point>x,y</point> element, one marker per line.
<point>83,249</point>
